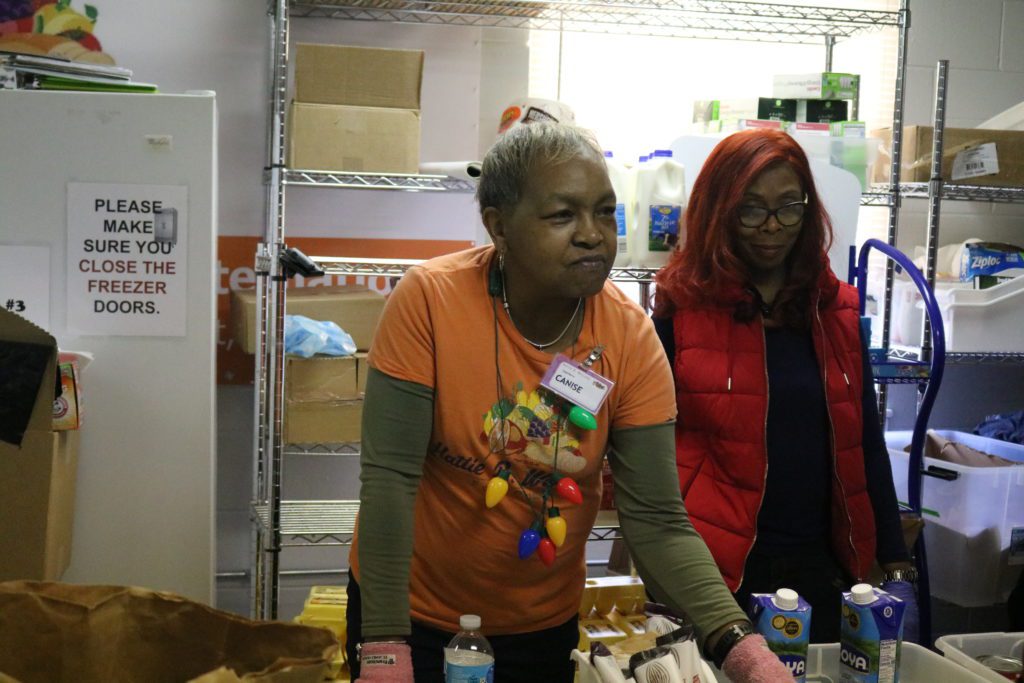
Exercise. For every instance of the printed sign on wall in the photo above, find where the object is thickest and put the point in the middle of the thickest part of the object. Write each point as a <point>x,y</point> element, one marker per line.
<point>127,259</point>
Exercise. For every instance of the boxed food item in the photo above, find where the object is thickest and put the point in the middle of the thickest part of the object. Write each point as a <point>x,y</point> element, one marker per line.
<point>970,156</point>
<point>67,413</point>
<point>764,108</point>
<point>356,310</point>
<point>323,422</point>
<point>358,76</point>
<point>817,86</point>
<point>822,111</point>
<point>334,137</point>
<point>38,465</point>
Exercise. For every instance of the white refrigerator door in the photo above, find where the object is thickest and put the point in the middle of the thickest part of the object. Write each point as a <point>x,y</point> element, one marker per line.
<point>144,513</point>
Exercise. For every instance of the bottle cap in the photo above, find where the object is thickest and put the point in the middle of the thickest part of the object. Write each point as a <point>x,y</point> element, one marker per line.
<point>663,153</point>
<point>643,158</point>
<point>608,154</point>
<point>863,594</point>
<point>786,598</point>
<point>469,622</point>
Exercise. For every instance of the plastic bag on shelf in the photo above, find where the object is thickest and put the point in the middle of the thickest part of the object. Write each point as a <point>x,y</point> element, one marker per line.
<point>306,337</point>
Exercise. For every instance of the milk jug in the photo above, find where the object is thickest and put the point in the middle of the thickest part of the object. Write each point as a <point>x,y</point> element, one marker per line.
<point>620,177</point>
<point>658,209</point>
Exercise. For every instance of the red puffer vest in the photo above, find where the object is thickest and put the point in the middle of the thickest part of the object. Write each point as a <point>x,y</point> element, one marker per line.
<point>722,394</point>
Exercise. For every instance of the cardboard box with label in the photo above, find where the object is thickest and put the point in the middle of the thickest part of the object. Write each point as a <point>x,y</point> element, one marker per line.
<point>358,76</point>
<point>762,108</point>
<point>355,310</point>
<point>37,464</point>
<point>822,111</point>
<point>333,137</point>
<point>970,156</point>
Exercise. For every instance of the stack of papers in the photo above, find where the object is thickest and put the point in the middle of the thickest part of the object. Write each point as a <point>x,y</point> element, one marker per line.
<point>51,73</point>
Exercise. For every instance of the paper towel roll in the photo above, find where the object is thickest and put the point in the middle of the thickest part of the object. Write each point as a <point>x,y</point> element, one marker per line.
<point>463,170</point>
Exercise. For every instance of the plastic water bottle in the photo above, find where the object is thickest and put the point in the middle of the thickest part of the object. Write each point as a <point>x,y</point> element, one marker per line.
<point>469,657</point>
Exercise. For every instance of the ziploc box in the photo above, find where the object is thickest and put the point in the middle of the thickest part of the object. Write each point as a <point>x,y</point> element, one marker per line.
<point>784,619</point>
<point>871,636</point>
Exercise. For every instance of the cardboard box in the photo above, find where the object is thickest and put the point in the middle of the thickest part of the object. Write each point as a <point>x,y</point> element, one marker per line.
<point>356,310</point>
<point>963,147</point>
<point>364,371</point>
<point>822,111</point>
<point>37,476</point>
<point>358,76</point>
<point>321,378</point>
<point>332,137</point>
<point>817,86</point>
<point>323,422</point>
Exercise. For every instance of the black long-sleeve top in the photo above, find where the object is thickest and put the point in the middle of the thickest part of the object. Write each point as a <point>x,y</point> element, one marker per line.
<point>799,467</point>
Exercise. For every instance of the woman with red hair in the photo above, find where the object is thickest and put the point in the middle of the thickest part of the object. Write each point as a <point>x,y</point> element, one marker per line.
<point>781,459</point>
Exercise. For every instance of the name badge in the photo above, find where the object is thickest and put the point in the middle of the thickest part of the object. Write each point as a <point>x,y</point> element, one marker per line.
<point>577,384</point>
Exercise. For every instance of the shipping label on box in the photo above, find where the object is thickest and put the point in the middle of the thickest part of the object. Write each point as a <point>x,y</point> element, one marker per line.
<point>358,76</point>
<point>817,86</point>
<point>327,137</point>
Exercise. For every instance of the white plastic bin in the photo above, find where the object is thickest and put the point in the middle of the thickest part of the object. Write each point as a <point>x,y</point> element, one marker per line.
<point>917,665</point>
<point>964,649</point>
<point>969,520</point>
<point>975,319</point>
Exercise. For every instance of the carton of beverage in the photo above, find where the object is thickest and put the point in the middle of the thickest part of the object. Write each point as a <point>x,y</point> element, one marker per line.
<point>784,619</point>
<point>871,635</point>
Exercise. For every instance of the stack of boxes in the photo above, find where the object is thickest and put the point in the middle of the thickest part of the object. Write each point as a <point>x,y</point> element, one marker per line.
<point>612,609</point>
<point>814,107</point>
<point>356,109</point>
<point>323,394</point>
<point>326,607</point>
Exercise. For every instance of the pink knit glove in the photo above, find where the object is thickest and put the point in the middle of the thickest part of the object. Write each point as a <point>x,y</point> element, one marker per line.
<point>385,663</point>
<point>750,661</point>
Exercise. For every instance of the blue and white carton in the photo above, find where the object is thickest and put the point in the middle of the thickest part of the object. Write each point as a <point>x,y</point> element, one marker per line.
<point>784,619</point>
<point>871,636</point>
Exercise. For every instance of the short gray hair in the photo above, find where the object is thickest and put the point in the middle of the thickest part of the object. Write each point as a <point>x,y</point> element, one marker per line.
<point>509,161</point>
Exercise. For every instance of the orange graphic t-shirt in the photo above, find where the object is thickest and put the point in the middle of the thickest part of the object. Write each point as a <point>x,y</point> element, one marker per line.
<point>438,330</point>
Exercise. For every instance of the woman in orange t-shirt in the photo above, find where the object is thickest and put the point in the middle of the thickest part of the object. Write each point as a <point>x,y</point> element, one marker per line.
<point>458,411</point>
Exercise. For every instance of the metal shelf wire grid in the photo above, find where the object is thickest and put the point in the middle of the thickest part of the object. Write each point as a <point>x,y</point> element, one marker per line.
<point>708,19</point>
<point>980,193</point>
<point>374,181</point>
<point>397,267</point>
<point>333,522</point>
<point>962,357</point>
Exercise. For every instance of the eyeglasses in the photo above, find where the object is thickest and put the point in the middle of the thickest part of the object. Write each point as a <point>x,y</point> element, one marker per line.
<point>787,215</point>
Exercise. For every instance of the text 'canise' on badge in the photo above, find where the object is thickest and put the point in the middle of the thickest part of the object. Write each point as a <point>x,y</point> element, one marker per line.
<point>579,385</point>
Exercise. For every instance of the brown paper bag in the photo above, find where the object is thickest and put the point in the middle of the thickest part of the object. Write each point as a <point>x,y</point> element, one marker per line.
<point>57,633</point>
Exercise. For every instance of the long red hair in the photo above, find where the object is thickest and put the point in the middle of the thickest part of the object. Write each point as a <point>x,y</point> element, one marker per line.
<point>708,271</point>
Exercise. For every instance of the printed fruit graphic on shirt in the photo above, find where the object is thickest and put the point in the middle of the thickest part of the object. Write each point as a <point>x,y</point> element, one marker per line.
<point>529,427</point>
<point>51,29</point>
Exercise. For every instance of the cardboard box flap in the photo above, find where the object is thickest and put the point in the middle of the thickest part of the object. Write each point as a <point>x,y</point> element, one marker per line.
<point>28,360</point>
<point>358,76</point>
